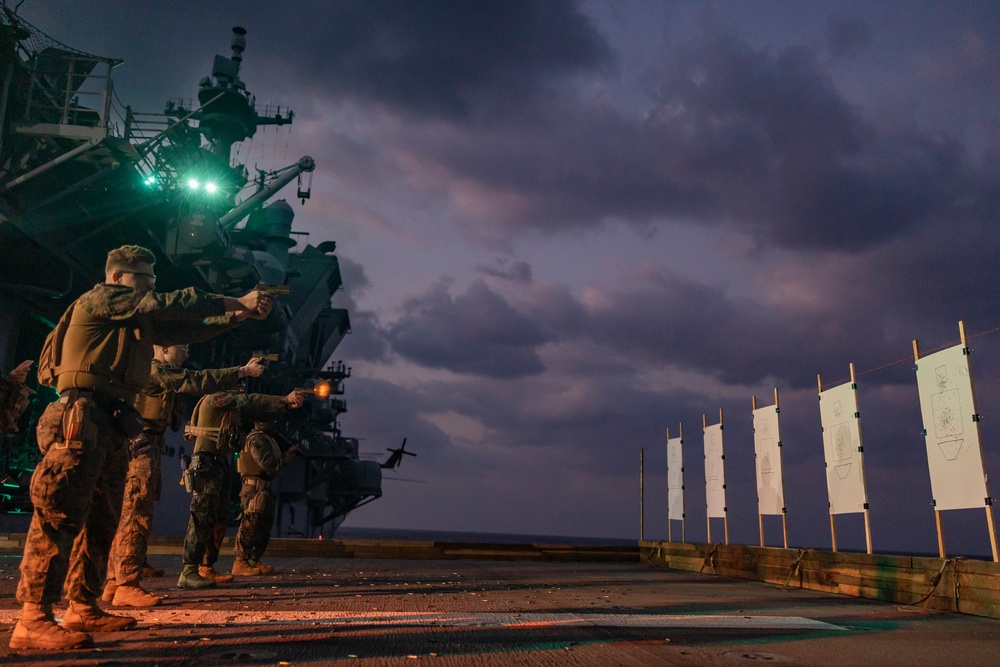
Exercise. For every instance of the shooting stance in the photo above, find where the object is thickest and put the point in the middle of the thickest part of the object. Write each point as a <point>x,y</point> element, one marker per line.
<point>259,464</point>
<point>215,430</point>
<point>160,409</point>
<point>98,357</point>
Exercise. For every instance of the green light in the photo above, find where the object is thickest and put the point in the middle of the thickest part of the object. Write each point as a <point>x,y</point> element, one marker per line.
<point>210,187</point>
<point>150,180</point>
<point>193,183</point>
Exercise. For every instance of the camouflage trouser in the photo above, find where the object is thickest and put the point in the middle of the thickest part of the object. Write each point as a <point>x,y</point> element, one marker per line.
<point>77,495</point>
<point>209,509</point>
<point>257,503</point>
<point>142,489</point>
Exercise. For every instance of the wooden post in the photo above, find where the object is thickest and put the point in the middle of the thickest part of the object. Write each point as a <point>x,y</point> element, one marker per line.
<point>993,532</point>
<point>760,517</point>
<point>725,509</point>
<point>642,495</point>
<point>989,508</point>
<point>833,524</point>
<point>708,519</point>
<point>683,518</point>
<point>937,512</point>
<point>670,536</point>
<point>868,524</point>
<point>784,514</point>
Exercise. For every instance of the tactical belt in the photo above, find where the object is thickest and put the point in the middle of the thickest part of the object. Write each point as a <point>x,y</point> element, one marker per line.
<point>71,395</point>
<point>217,457</point>
<point>257,482</point>
<point>206,431</point>
<point>103,400</point>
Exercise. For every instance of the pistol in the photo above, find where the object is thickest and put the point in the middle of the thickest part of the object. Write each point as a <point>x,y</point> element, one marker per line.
<point>274,290</point>
<point>321,390</point>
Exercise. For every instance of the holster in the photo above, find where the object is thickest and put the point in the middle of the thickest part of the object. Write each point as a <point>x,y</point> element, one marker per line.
<point>67,424</point>
<point>127,419</point>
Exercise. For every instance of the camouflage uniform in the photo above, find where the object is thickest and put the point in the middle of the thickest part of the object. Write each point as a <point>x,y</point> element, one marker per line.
<point>260,462</point>
<point>14,399</point>
<point>159,408</point>
<point>215,428</point>
<point>102,363</point>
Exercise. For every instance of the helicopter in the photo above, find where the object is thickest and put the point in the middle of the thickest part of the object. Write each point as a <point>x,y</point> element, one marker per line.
<point>396,457</point>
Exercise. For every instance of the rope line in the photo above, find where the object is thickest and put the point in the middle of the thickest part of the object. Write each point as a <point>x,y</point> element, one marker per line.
<point>910,358</point>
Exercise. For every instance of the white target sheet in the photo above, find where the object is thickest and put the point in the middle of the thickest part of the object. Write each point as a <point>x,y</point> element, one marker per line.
<point>948,409</point>
<point>845,474</point>
<point>715,472</point>
<point>675,479</point>
<point>766,444</point>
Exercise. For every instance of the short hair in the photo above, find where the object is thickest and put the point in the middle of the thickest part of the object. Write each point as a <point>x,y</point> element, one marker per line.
<point>127,257</point>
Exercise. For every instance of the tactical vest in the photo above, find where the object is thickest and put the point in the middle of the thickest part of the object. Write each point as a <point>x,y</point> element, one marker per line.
<point>247,465</point>
<point>157,410</point>
<point>49,357</point>
<point>110,357</point>
<point>215,426</point>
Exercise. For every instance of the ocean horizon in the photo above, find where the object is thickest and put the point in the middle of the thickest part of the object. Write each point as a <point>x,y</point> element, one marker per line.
<point>18,523</point>
<point>407,534</point>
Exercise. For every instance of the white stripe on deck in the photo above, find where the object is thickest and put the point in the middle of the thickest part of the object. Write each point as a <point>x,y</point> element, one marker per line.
<point>221,618</point>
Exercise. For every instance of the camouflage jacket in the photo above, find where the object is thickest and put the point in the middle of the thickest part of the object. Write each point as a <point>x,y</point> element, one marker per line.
<point>215,425</point>
<point>158,402</point>
<point>108,343</point>
<point>260,457</point>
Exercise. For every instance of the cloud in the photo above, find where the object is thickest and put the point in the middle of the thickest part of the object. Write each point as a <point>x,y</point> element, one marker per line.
<point>367,340</point>
<point>846,35</point>
<point>448,59</point>
<point>758,140</point>
<point>519,272</point>
<point>477,332</point>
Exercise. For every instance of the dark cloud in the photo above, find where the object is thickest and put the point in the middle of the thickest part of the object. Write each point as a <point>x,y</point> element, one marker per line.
<point>366,341</point>
<point>477,333</point>
<point>519,272</point>
<point>445,59</point>
<point>758,139</point>
<point>847,35</point>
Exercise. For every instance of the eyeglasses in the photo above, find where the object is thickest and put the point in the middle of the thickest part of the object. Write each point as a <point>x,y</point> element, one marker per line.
<point>151,277</point>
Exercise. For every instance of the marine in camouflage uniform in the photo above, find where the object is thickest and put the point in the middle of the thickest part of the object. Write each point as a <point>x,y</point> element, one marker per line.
<point>98,357</point>
<point>259,464</point>
<point>215,428</point>
<point>14,398</point>
<point>160,409</point>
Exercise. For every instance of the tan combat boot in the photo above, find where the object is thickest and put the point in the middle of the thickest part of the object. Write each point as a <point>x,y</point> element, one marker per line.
<point>244,568</point>
<point>191,579</point>
<point>109,590</point>
<point>37,628</point>
<point>266,569</point>
<point>134,596</point>
<point>88,617</point>
<point>209,572</point>
<point>149,572</point>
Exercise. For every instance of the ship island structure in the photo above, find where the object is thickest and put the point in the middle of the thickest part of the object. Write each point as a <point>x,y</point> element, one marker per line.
<point>81,173</point>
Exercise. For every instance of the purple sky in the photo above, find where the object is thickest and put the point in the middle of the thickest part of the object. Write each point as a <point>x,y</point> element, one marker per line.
<point>565,227</point>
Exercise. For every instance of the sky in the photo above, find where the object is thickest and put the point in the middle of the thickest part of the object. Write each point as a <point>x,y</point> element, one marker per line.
<point>566,227</point>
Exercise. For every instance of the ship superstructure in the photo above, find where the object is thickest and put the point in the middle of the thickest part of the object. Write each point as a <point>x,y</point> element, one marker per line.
<point>81,173</point>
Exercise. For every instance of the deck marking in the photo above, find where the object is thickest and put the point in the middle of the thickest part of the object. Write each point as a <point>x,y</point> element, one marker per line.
<point>222,618</point>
